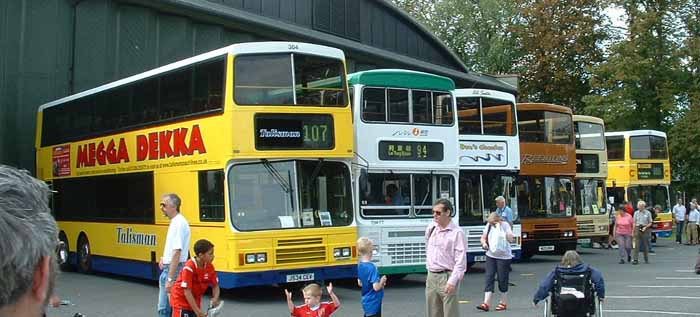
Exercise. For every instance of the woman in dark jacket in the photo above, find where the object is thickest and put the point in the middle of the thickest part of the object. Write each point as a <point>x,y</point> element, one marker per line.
<point>570,263</point>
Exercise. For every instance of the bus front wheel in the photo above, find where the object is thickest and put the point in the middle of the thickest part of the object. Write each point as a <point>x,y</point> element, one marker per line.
<point>83,253</point>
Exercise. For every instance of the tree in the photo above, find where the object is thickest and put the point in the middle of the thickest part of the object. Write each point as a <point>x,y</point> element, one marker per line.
<point>684,139</point>
<point>637,86</point>
<point>563,40</point>
<point>479,32</point>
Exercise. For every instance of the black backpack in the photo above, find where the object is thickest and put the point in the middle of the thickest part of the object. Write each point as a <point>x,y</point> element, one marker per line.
<point>569,304</point>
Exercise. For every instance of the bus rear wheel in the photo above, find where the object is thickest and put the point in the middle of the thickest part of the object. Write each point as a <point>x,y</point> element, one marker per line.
<point>83,253</point>
<point>62,252</point>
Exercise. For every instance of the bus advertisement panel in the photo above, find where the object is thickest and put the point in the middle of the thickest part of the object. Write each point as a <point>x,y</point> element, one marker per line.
<point>545,187</point>
<point>406,142</point>
<point>639,169</point>
<point>489,158</point>
<point>591,171</point>
<point>255,138</point>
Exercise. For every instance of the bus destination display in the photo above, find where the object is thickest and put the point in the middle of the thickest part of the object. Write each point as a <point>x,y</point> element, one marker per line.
<point>410,151</point>
<point>587,163</point>
<point>650,171</point>
<point>287,132</point>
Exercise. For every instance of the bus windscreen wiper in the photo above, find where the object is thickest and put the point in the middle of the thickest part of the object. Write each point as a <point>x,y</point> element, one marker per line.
<point>285,184</point>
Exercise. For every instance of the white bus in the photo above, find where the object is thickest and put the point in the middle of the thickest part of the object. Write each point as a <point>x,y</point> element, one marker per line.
<point>489,159</point>
<point>406,158</point>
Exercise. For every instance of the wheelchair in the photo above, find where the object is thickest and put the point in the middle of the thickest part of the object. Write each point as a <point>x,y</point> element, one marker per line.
<point>588,306</point>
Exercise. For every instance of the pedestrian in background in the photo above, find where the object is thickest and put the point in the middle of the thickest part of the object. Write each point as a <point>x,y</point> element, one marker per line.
<point>504,211</point>
<point>679,217</point>
<point>446,261</point>
<point>624,224</point>
<point>642,232</point>
<point>496,239</point>
<point>175,253</point>
<point>693,220</point>
<point>28,245</point>
<point>368,279</point>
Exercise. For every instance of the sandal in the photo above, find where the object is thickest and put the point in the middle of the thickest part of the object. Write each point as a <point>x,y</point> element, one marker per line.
<point>484,307</point>
<point>501,306</point>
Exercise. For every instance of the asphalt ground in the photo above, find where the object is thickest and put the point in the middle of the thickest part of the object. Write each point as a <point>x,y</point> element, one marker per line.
<point>665,287</point>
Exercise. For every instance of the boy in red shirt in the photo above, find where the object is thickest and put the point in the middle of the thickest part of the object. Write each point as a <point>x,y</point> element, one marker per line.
<point>196,276</point>
<point>312,302</point>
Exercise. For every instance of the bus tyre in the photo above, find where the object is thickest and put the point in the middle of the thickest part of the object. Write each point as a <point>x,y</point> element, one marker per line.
<point>83,254</point>
<point>63,252</point>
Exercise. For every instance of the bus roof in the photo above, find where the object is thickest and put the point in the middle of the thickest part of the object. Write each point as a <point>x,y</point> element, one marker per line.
<point>401,78</point>
<point>474,92</point>
<point>590,119</point>
<point>543,106</point>
<point>241,48</point>
<point>630,133</point>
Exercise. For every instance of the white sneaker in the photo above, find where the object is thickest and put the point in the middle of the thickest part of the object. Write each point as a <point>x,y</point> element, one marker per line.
<point>615,246</point>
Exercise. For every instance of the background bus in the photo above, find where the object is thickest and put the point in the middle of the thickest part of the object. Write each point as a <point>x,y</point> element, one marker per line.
<point>545,185</point>
<point>489,158</point>
<point>406,143</point>
<point>639,168</point>
<point>591,172</point>
<point>257,140</point>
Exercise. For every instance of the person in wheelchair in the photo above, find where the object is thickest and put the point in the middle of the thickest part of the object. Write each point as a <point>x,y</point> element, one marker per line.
<point>573,286</point>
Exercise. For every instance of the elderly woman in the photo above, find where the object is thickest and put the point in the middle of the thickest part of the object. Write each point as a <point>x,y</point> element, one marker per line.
<point>624,224</point>
<point>571,263</point>
<point>496,240</point>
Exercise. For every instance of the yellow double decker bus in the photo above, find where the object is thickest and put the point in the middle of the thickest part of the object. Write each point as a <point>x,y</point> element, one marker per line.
<point>591,173</point>
<point>639,169</point>
<point>255,138</point>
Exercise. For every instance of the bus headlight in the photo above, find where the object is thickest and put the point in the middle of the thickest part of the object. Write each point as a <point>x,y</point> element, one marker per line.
<point>568,234</point>
<point>524,235</point>
<point>250,258</point>
<point>341,253</point>
<point>261,257</point>
<point>602,228</point>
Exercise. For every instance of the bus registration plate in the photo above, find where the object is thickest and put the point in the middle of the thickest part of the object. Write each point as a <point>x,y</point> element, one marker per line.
<point>546,248</point>
<point>585,240</point>
<point>480,258</point>
<point>291,278</point>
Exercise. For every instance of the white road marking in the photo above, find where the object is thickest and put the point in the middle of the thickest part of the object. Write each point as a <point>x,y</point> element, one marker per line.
<point>678,278</point>
<point>648,297</point>
<point>649,312</point>
<point>664,286</point>
<point>685,271</point>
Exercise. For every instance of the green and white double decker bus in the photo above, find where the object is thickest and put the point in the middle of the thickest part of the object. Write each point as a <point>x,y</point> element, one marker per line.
<point>406,158</point>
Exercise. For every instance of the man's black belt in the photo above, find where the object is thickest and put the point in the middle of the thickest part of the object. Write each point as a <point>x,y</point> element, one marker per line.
<point>441,272</point>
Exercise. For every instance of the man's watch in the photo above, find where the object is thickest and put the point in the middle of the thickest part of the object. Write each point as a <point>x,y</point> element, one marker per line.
<point>170,279</point>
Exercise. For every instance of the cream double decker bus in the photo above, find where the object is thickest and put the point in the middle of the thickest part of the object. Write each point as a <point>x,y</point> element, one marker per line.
<point>489,162</point>
<point>639,169</point>
<point>406,143</point>
<point>592,216</point>
<point>255,138</point>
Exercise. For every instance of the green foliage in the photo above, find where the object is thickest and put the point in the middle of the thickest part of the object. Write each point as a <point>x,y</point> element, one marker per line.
<point>562,39</point>
<point>479,32</point>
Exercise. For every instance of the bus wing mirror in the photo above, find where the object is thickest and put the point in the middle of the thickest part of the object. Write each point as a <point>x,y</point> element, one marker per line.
<point>363,180</point>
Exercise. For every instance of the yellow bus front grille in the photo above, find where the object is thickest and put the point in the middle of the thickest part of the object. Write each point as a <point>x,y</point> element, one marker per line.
<point>586,226</point>
<point>296,251</point>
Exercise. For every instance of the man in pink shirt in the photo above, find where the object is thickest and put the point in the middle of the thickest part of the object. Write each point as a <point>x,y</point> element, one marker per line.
<point>446,261</point>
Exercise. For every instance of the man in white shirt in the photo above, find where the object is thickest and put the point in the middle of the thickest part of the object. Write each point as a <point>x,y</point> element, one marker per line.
<point>693,220</point>
<point>679,217</point>
<point>176,252</point>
